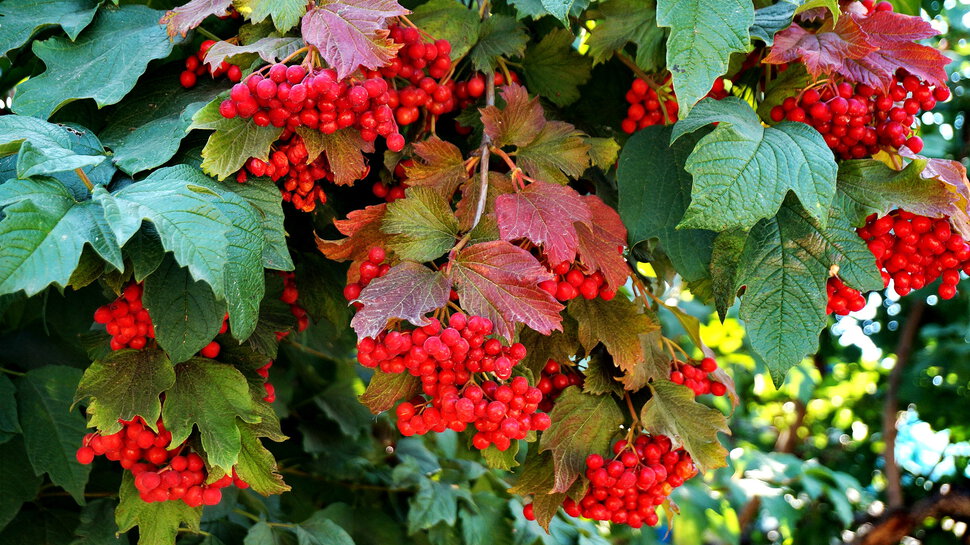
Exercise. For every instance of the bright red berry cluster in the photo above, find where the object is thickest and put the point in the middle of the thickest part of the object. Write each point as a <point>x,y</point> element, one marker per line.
<point>856,120</point>
<point>393,192</point>
<point>649,105</point>
<point>290,296</point>
<point>194,67</point>
<point>571,281</point>
<point>628,488</point>
<point>126,320</point>
<point>161,474</point>
<point>421,65</point>
<point>300,180</point>
<point>697,376</point>
<point>554,379</point>
<point>270,389</point>
<point>842,298</point>
<point>289,96</point>
<point>373,268</point>
<point>446,359</point>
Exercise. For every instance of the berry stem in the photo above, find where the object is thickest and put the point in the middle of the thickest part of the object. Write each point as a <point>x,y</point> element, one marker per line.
<point>84,178</point>
<point>633,411</point>
<point>208,34</point>
<point>11,372</point>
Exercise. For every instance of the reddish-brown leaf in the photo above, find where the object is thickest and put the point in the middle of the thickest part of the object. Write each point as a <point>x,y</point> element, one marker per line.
<point>184,18</point>
<point>601,242</point>
<point>822,52</point>
<point>363,231</point>
<point>500,282</point>
<point>954,176</point>
<point>894,35</point>
<point>498,184</point>
<point>518,123</point>
<point>545,214</point>
<point>408,291</point>
<point>438,164</point>
<point>352,33</point>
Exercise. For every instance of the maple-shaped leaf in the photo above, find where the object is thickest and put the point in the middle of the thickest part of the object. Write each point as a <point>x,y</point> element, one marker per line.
<point>544,214</point>
<point>352,33</point>
<point>157,522</point>
<point>498,36</point>
<point>438,164</point>
<point>184,18</point>
<point>385,389</point>
<point>953,175</point>
<point>601,376</point>
<point>471,192</point>
<point>560,346</point>
<point>553,69</point>
<point>617,324</point>
<point>285,13</point>
<point>499,281</point>
<point>601,242</point>
<point>871,186</point>
<point>674,411</point>
<point>518,123</point>
<point>582,424</point>
<point>623,21</point>
<point>537,479</point>
<point>422,224</point>
<point>655,364</point>
<point>344,150</point>
<point>363,231</point>
<point>822,52</point>
<point>559,151</point>
<point>894,35</point>
<point>408,291</point>
<point>257,466</point>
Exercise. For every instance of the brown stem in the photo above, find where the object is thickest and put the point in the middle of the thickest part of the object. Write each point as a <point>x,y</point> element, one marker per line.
<point>904,348</point>
<point>84,178</point>
<point>891,528</point>
<point>484,153</point>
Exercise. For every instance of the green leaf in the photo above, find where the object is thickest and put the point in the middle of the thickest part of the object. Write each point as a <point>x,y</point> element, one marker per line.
<point>423,225</point>
<point>787,84</point>
<point>320,530</point>
<point>560,346</point>
<point>339,402</point>
<point>271,49</point>
<point>125,384</point>
<point>743,171</point>
<point>448,20</point>
<point>831,5</point>
<point>185,312</point>
<point>770,19</point>
<point>146,128</point>
<point>44,232</point>
<point>435,502</point>
<point>725,258</point>
<point>617,324</point>
<point>211,396</point>
<point>785,265</point>
<point>869,186</point>
<point>553,69</point>
<point>34,160</point>
<point>157,522</point>
<point>498,36</point>
<point>626,21</point>
<point>233,142</point>
<point>344,152</point>
<point>703,35</point>
<point>673,411</point>
<point>285,13</point>
<point>20,485</point>
<point>262,533</point>
<point>98,525</point>
<point>655,192</point>
<point>598,376</point>
<point>558,152</point>
<point>9,424</point>
<point>909,7</point>
<point>501,459</point>
<point>257,466</point>
<point>582,424</point>
<point>385,389</point>
<point>263,195</point>
<point>536,479</point>
<point>23,18</point>
<point>487,523</point>
<point>129,36</point>
<point>603,152</point>
<point>145,252</point>
<point>52,431</point>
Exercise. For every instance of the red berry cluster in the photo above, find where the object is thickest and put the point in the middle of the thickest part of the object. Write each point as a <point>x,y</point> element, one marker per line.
<point>915,250</point>
<point>194,67</point>
<point>628,488</point>
<point>373,268</point>
<point>393,192</point>
<point>300,180</point>
<point>161,474</point>
<point>446,359</point>
<point>213,349</point>
<point>856,120</point>
<point>697,376</point>
<point>554,379</point>
<point>289,96</point>
<point>649,106</point>
<point>571,282</point>
<point>126,320</point>
<point>873,6</point>
<point>289,296</point>
<point>842,298</point>
<point>270,389</point>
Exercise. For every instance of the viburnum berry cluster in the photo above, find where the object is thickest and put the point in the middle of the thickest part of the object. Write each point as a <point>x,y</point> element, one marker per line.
<point>697,376</point>
<point>373,267</point>
<point>290,96</point>
<point>300,179</point>
<point>195,67</point>
<point>126,320</point>
<point>394,191</point>
<point>571,281</point>
<point>446,360</point>
<point>628,488</point>
<point>842,299</point>
<point>290,296</point>
<point>555,378</point>
<point>650,104</point>
<point>421,65</point>
<point>161,472</point>
<point>268,386</point>
<point>857,120</point>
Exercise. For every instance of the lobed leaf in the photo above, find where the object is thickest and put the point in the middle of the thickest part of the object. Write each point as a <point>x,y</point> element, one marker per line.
<point>558,152</point>
<point>385,389</point>
<point>408,291</point>
<point>285,13</point>
<point>449,20</point>
<point>257,466</point>
<point>184,18</point>
<point>157,522</point>
<point>673,411</point>
<point>24,18</point>
<point>601,243</point>
<point>271,49</point>
<point>518,123</point>
<point>553,69</point>
<point>438,164</point>
<point>625,21</point>
<point>544,213</point>
<point>422,225</point>
<point>617,324</point>
<point>498,36</point>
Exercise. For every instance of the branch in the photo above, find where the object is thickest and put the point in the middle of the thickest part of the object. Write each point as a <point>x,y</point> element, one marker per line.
<point>904,348</point>
<point>484,151</point>
<point>896,524</point>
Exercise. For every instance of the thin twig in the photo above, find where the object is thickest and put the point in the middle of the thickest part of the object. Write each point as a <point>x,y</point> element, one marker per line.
<point>484,153</point>
<point>84,178</point>
<point>207,34</point>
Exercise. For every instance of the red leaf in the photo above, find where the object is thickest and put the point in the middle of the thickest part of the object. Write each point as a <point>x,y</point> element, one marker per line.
<point>600,242</point>
<point>822,52</point>
<point>518,123</point>
<point>954,176</point>
<point>894,34</point>
<point>500,282</point>
<point>352,33</point>
<point>543,213</point>
<point>363,231</point>
<point>184,18</point>
<point>408,291</point>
